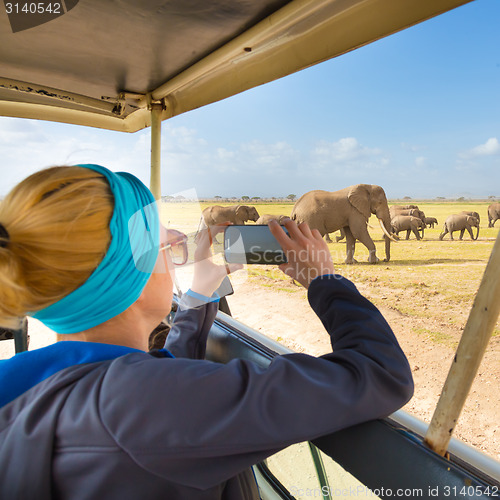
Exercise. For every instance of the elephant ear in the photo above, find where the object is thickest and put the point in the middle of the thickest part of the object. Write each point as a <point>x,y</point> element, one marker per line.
<point>242,212</point>
<point>359,198</point>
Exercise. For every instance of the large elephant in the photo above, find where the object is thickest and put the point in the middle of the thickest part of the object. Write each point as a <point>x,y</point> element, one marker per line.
<point>409,224</point>
<point>266,218</point>
<point>493,214</point>
<point>348,209</point>
<point>237,214</point>
<point>460,222</point>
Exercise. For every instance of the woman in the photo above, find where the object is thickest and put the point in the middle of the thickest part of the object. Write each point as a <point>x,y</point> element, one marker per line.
<point>96,416</point>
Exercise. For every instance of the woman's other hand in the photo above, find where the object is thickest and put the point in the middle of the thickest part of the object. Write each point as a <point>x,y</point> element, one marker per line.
<point>207,274</point>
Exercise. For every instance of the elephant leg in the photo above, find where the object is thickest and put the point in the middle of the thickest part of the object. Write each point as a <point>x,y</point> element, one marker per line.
<point>417,234</point>
<point>350,246</point>
<point>327,238</point>
<point>462,231</point>
<point>408,234</point>
<point>451,234</point>
<point>469,230</point>
<point>365,238</point>
<point>444,233</point>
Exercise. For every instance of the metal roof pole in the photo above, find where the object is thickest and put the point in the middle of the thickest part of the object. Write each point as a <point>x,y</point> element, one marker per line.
<point>477,332</point>
<point>155,180</point>
<point>21,336</point>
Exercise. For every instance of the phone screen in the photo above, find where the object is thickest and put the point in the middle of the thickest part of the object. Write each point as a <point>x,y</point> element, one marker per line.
<point>252,244</point>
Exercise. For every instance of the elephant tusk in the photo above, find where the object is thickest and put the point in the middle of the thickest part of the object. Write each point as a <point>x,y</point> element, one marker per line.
<point>385,231</point>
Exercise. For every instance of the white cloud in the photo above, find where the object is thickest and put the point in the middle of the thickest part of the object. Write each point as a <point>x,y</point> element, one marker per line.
<point>27,146</point>
<point>490,148</point>
<point>346,157</point>
<point>255,167</point>
<point>224,154</point>
<point>188,161</point>
<point>411,147</point>
<point>344,150</point>
<point>276,155</point>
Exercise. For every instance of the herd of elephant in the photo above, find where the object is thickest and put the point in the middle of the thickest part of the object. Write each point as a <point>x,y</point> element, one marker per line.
<point>348,210</point>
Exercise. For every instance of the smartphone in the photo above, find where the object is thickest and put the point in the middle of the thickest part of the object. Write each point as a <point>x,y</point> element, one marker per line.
<point>252,244</point>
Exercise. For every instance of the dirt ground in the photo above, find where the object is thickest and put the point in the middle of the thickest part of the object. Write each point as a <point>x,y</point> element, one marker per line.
<point>285,316</point>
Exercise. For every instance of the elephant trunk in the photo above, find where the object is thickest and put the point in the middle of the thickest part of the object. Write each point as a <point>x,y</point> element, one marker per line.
<point>388,237</point>
<point>384,218</point>
<point>477,234</point>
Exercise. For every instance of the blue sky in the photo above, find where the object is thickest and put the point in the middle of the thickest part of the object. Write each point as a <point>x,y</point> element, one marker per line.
<point>417,113</point>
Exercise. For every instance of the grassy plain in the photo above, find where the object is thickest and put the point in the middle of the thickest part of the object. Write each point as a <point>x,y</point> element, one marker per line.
<point>428,278</point>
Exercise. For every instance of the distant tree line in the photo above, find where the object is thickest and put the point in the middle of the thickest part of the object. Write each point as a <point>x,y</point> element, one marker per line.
<point>292,198</point>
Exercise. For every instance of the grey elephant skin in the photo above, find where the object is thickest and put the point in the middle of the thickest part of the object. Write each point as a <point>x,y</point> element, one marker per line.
<point>460,222</point>
<point>237,214</point>
<point>474,214</point>
<point>409,224</point>
<point>414,212</point>
<point>266,218</point>
<point>430,221</point>
<point>493,214</point>
<point>348,209</point>
<point>403,207</point>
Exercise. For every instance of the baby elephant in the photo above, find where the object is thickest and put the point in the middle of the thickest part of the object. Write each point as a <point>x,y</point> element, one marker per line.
<point>266,218</point>
<point>430,221</point>
<point>408,223</point>
<point>460,222</point>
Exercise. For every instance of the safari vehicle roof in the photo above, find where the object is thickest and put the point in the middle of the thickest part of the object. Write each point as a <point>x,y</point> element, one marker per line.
<point>102,63</point>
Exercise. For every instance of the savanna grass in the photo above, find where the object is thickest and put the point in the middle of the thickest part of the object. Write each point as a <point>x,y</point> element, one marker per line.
<point>446,273</point>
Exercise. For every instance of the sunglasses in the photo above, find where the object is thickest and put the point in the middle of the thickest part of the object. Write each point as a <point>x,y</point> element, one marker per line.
<point>177,246</point>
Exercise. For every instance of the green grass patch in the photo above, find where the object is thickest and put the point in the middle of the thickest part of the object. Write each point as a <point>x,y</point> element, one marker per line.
<point>437,337</point>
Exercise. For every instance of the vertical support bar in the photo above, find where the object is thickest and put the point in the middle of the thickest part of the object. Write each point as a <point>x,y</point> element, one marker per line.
<point>21,337</point>
<point>155,180</point>
<point>477,332</point>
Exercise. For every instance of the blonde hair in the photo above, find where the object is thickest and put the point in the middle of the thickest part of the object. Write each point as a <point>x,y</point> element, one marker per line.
<point>58,225</point>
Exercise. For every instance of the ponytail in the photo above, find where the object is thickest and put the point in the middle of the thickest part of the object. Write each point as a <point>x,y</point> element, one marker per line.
<point>55,233</point>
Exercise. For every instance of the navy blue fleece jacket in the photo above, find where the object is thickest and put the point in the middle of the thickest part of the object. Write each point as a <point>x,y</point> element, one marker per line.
<point>96,421</point>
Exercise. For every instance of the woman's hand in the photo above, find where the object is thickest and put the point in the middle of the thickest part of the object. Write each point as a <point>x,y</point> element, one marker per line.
<point>207,274</point>
<point>306,252</point>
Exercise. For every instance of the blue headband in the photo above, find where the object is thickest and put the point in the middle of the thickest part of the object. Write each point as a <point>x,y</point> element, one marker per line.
<point>119,279</point>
